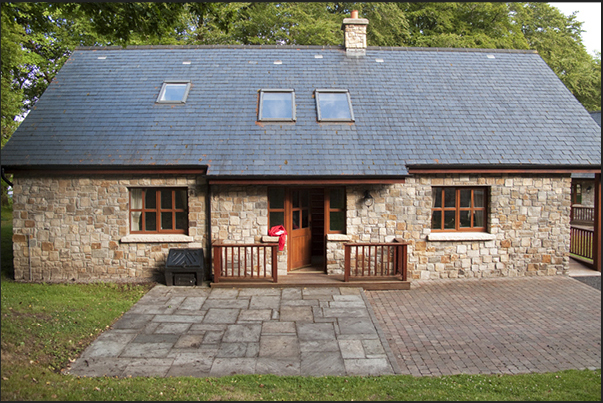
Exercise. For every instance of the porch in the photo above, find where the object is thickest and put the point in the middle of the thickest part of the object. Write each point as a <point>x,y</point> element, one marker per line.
<point>582,222</point>
<point>374,266</point>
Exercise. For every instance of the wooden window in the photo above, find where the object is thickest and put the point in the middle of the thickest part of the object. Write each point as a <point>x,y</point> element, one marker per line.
<point>335,209</point>
<point>459,209</point>
<point>276,207</point>
<point>158,210</point>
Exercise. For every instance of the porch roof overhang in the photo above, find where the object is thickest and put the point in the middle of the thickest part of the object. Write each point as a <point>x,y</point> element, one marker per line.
<point>305,180</point>
<point>107,169</point>
<point>503,169</point>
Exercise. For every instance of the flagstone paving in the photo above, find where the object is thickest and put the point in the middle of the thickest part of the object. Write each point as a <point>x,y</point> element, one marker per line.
<point>195,331</point>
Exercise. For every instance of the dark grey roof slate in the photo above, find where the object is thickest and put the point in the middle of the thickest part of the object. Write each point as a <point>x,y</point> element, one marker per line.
<point>596,115</point>
<point>417,107</point>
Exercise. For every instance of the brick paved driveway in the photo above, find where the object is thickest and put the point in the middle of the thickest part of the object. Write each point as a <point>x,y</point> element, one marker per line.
<point>492,326</point>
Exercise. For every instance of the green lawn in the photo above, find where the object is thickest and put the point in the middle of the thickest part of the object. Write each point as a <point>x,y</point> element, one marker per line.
<point>45,326</point>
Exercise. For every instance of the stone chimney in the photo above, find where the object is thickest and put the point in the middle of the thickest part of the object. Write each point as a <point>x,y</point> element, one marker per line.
<point>354,35</point>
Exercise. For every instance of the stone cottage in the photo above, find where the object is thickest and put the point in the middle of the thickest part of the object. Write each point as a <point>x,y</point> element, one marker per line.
<point>463,155</point>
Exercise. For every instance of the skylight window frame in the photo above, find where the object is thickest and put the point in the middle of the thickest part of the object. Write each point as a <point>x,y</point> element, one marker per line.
<point>326,90</point>
<point>276,90</point>
<point>164,87</point>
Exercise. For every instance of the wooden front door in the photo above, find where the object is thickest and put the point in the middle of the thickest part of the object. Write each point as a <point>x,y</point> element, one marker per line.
<point>300,224</point>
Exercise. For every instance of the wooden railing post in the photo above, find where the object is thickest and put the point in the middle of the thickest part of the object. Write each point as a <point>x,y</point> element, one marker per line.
<point>404,262</point>
<point>347,263</point>
<point>217,263</point>
<point>274,264</point>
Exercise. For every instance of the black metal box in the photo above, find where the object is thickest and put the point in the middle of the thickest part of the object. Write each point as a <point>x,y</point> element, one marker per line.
<point>184,266</point>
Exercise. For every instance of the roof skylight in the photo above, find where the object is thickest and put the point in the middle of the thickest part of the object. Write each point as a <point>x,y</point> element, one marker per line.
<point>334,106</point>
<point>277,105</point>
<point>174,92</point>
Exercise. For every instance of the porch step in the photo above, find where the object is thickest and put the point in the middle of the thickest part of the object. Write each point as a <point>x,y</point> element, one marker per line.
<point>313,280</point>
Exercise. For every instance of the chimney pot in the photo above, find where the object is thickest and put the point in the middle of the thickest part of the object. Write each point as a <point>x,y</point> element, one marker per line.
<point>354,13</point>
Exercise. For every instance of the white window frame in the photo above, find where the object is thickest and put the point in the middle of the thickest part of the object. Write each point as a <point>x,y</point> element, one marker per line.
<point>164,87</point>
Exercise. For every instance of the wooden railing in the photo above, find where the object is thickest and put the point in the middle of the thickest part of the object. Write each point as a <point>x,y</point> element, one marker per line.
<point>245,261</point>
<point>582,215</point>
<point>375,261</point>
<point>581,242</point>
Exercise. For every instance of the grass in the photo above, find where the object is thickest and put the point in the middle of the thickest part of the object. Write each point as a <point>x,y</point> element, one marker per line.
<point>45,326</point>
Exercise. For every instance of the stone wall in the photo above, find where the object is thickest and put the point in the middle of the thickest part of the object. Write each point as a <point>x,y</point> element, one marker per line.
<point>528,226</point>
<point>239,214</point>
<point>77,228</point>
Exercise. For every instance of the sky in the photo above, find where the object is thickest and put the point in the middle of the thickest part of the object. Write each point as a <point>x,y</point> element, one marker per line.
<point>590,15</point>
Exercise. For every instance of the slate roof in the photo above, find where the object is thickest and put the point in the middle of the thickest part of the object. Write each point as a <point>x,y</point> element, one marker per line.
<point>596,115</point>
<point>417,106</point>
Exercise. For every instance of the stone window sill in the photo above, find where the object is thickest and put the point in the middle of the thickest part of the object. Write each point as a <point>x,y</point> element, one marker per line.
<point>157,238</point>
<point>460,236</point>
<point>338,237</point>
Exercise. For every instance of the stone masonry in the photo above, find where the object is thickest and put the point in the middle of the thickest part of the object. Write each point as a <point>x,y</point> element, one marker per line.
<point>528,225</point>
<point>78,228</point>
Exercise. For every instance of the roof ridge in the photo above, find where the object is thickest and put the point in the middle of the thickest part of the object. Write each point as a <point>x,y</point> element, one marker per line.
<point>209,47</point>
<point>298,47</point>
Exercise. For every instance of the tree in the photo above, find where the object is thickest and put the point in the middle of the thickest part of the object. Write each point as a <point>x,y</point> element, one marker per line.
<point>464,25</point>
<point>557,39</point>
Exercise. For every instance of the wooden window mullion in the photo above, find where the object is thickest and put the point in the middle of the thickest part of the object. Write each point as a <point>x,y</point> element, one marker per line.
<point>158,210</point>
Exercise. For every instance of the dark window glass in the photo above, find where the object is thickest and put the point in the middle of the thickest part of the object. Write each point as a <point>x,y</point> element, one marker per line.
<point>276,198</point>
<point>181,220</point>
<point>337,198</point>
<point>337,220</point>
<point>449,222</point>
<point>305,197</point>
<point>449,197</point>
<point>437,197</point>
<point>465,199</point>
<point>150,199</point>
<point>166,220</point>
<point>181,199</point>
<point>295,216</point>
<point>465,218</point>
<point>166,199</point>
<point>436,219</point>
<point>150,221</point>
<point>305,219</point>
<point>277,218</point>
